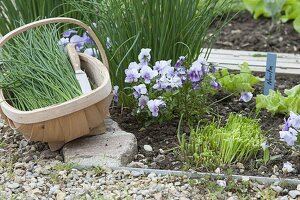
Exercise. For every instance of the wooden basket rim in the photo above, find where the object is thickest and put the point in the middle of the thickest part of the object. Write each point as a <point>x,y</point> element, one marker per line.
<point>65,108</point>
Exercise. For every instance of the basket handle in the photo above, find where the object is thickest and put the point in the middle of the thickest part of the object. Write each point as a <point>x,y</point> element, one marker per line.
<point>31,25</point>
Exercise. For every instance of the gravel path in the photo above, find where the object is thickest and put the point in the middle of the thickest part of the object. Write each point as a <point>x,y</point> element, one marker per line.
<point>29,170</point>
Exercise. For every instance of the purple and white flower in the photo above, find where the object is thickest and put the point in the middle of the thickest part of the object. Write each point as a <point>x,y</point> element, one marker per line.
<point>215,84</point>
<point>147,73</point>
<point>144,56</point>
<point>290,136</point>
<point>87,39</point>
<point>69,32</point>
<point>134,65</point>
<point>286,125</point>
<point>294,120</point>
<point>264,145</point>
<point>139,90</point>
<point>132,75</point>
<point>79,41</point>
<point>195,72</point>
<point>154,106</point>
<point>161,65</point>
<point>246,96</point>
<point>143,100</point>
<point>180,61</point>
<point>115,93</point>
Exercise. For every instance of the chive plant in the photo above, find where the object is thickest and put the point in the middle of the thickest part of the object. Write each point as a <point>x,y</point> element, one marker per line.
<point>35,70</point>
<point>212,145</point>
<point>14,11</point>
<point>170,28</point>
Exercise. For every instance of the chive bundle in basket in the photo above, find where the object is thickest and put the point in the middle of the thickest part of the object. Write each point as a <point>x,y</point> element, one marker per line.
<point>36,71</point>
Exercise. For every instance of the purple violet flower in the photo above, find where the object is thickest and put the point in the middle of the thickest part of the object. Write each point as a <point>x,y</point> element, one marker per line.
<point>87,39</point>
<point>69,32</point>
<point>147,73</point>
<point>214,67</point>
<point>115,93</point>
<point>79,41</point>
<point>180,61</point>
<point>154,105</point>
<point>134,65</point>
<point>215,84</point>
<point>246,96</point>
<point>196,72</point>
<point>139,90</point>
<point>132,75</point>
<point>161,65</point>
<point>143,100</point>
<point>144,56</point>
<point>286,125</point>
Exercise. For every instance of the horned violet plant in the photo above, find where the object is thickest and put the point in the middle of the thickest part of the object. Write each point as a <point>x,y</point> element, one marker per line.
<point>213,145</point>
<point>171,89</point>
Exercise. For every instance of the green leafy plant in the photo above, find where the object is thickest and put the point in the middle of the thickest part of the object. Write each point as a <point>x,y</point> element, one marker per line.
<point>275,102</point>
<point>35,70</point>
<point>241,82</point>
<point>170,29</point>
<point>213,145</point>
<point>283,10</point>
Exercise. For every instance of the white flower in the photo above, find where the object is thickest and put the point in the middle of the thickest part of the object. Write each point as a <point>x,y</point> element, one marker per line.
<point>287,167</point>
<point>134,65</point>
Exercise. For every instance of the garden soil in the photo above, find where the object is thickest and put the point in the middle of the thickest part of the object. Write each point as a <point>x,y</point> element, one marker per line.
<point>242,33</point>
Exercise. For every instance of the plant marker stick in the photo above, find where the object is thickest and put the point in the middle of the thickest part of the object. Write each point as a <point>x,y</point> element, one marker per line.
<point>270,73</point>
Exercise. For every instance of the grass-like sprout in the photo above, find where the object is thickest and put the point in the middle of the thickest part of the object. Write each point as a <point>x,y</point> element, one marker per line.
<point>35,70</point>
<point>212,145</point>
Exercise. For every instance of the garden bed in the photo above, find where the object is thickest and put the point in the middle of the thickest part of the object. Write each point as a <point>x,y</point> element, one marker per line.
<point>246,33</point>
<point>163,137</point>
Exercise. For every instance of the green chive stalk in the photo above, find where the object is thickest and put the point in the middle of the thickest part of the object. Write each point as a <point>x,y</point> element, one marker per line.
<point>35,70</point>
<point>212,145</point>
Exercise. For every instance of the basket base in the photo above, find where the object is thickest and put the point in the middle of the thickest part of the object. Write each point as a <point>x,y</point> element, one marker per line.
<point>54,146</point>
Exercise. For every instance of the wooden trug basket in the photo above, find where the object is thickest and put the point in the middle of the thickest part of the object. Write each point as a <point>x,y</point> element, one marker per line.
<point>61,123</point>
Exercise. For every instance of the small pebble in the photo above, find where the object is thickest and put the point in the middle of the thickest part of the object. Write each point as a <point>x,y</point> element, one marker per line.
<point>148,148</point>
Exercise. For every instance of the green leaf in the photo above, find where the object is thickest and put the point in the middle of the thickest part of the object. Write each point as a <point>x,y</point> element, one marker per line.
<point>296,23</point>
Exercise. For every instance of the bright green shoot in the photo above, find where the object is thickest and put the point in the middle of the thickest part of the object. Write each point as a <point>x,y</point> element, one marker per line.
<point>36,71</point>
<point>213,145</point>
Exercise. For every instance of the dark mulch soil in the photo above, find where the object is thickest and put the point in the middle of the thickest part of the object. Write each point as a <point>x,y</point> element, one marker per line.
<point>164,136</point>
<point>246,33</point>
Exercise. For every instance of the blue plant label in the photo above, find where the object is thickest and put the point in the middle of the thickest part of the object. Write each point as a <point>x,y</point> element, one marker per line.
<point>270,73</point>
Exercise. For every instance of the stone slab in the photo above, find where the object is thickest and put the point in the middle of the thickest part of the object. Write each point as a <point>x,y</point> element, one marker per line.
<point>114,148</point>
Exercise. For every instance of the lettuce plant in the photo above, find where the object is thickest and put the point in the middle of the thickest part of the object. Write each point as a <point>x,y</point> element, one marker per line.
<point>242,82</point>
<point>274,9</point>
<point>275,102</point>
<point>213,145</point>
<point>165,91</point>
